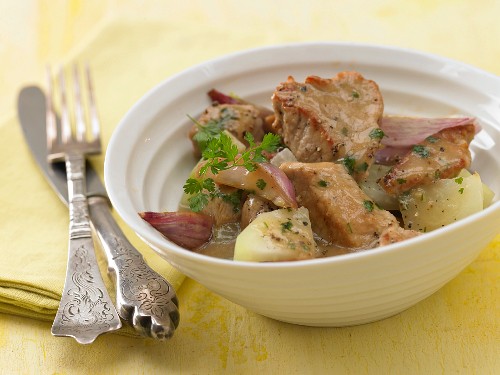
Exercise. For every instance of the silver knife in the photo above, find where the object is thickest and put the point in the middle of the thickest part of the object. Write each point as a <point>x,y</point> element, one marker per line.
<point>143,298</point>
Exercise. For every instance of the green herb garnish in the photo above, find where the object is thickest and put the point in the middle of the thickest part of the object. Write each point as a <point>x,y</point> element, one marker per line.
<point>287,225</point>
<point>401,181</point>
<point>355,94</point>
<point>221,154</point>
<point>349,163</point>
<point>368,205</point>
<point>322,183</point>
<point>421,151</point>
<point>211,129</point>
<point>198,201</point>
<point>377,133</point>
<point>459,180</point>
<point>362,167</point>
<point>232,198</point>
<point>349,227</point>
<point>431,139</point>
<point>261,184</point>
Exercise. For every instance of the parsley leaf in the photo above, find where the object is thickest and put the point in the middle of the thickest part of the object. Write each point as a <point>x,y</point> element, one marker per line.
<point>401,181</point>
<point>220,154</point>
<point>377,133</point>
<point>198,201</point>
<point>287,225</point>
<point>349,163</point>
<point>368,205</point>
<point>421,151</point>
<point>261,184</point>
<point>205,132</point>
<point>232,198</point>
<point>363,167</point>
<point>193,186</point>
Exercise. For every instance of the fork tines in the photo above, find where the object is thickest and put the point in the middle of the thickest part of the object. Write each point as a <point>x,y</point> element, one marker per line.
<point>57,146</point>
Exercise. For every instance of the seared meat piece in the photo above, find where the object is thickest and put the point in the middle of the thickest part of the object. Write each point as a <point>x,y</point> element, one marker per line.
<point>330,119</point>
<point>222,210</point>
<point>266,114</point>
<point>238,119</point>
<point>395,234</point>
<point>253,206</point>
<point>340,211</point>
<point>442,155</point>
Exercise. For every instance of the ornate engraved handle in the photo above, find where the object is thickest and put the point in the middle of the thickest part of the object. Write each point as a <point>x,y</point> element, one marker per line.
<point>85,310</point>
<point>143,298</point>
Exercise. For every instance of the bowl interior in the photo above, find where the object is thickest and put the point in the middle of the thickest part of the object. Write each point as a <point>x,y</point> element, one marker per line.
<point>149,156</point>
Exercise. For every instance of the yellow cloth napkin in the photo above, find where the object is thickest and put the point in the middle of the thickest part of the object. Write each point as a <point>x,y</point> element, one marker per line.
<point>128,56</point>
<point>34,232</point>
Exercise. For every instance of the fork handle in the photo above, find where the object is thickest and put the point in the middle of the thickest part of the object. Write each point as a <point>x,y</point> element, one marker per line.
<point>143,297</point>
<point>85,310</point>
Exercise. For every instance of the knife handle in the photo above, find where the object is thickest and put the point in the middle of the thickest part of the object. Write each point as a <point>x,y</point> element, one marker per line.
<point>143,298</point>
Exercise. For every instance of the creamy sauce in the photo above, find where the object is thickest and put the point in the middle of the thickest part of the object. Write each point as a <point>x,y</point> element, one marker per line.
<point>224,239</point>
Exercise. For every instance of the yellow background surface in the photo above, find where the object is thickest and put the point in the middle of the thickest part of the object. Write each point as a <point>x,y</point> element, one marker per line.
<point>132,46</point>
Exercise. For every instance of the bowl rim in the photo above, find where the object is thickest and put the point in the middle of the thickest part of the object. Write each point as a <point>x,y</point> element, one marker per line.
<point>490,80</point>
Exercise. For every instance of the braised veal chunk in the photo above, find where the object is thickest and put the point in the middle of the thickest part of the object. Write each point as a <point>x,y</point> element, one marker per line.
<point>237,119</point>
<point>341,213</point>
<point>442,155</point>
<point>330,119</point>
<point>253,207</point>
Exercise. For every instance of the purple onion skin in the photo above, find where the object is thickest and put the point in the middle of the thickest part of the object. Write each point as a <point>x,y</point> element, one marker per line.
<point>403,131</point>
<point>221,98</point>
<point>190,230</point>
<point>283,182</point>
<point>278,188</point>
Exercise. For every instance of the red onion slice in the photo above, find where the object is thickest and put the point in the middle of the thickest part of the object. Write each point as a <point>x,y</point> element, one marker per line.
<point>267,181</point>
<point>390,155</point>
<point>187,229</point>
<point>407,131</point>
<point>221,98</point>
<point>285,194</point>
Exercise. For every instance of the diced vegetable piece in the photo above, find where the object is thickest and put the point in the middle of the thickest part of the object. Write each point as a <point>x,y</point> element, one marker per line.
<point>283,156</point>
<point>488,194</point>
<point>280,235</point>
<point>371,188</point>
<point>184,203</point>
<point>443,202</point>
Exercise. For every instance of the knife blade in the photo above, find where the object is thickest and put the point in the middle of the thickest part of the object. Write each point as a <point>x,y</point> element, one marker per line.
<point>152,313</point>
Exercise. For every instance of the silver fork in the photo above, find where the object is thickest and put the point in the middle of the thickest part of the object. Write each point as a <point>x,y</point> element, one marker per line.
<point>85,310</point>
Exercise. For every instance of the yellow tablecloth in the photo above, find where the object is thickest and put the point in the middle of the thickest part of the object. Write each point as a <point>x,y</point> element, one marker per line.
<point>132,45</point>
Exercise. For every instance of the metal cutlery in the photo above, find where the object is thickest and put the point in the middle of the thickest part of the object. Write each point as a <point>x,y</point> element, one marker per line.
<point>144,299</point>
<point>85,310</point>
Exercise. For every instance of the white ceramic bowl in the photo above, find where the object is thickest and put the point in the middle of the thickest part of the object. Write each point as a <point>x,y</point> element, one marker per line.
<point>149,158</point>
